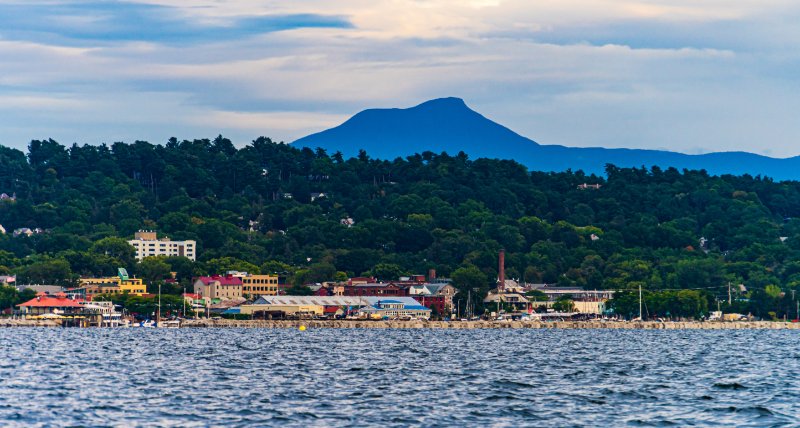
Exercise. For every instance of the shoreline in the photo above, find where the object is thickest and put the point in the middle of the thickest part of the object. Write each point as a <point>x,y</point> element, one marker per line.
<point>473,325</point>
<point>457,325</point>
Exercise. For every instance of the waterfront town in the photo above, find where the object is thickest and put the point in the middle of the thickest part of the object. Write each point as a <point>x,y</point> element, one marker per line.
<point>243,295</point>
<point>123,300</point>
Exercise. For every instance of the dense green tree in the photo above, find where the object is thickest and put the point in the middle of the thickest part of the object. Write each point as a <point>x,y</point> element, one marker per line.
<point>9,297</point>
<point>470,282</point>
<point>153,269</point>
<point>116,248</point>
<point>46,271</point>
<point>564,304</point>
<point>387,271</point>
<point>225,264</point>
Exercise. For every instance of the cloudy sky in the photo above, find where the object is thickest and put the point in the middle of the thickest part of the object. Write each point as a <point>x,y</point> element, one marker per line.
<point>687,75</point>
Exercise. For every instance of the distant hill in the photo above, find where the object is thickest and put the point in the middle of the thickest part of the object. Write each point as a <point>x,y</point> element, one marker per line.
<point>448,124</point>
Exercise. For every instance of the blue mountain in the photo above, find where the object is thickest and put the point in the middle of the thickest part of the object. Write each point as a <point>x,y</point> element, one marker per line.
<point>449,125</point>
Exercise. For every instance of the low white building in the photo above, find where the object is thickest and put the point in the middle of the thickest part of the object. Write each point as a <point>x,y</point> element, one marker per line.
<point>394,308</point>
<point>148,245</point>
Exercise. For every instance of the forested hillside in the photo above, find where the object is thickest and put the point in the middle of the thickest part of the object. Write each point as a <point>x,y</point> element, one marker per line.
<point>251,209</point>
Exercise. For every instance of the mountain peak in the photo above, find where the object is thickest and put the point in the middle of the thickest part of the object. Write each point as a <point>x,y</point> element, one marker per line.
<point>447,102</point>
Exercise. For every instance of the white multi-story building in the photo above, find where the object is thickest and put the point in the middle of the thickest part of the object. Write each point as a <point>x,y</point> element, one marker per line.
<point>148,245</point>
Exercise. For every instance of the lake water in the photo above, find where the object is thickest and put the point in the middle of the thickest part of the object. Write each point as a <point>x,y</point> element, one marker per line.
<point>329,377</point>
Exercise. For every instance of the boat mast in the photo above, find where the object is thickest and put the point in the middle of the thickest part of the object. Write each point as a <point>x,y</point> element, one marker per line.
<point>640,303</point>
<point>159,304</point>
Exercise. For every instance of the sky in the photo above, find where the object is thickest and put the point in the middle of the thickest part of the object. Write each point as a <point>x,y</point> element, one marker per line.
<point>693,76</point>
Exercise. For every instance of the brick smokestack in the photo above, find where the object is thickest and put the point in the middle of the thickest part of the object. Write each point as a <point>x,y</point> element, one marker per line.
<point>431,274</point>
<point>502,270</point>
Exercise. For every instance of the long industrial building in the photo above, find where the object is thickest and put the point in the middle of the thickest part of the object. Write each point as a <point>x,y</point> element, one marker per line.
<point>370,306</point>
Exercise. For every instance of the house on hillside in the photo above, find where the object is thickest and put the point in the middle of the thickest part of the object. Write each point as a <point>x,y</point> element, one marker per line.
<point>317,195</point>
<point>22,231</point>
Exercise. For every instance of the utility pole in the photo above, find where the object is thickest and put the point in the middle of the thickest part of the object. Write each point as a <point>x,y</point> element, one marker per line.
<point>729,294</point>
<point>469,300</point>
<point>184,302</point>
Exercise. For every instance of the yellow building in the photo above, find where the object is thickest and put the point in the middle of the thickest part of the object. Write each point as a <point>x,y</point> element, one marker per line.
<point>113,285</point>
<point>259,285</point>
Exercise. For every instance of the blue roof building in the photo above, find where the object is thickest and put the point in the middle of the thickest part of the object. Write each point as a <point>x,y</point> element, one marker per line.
<point>394,308</point>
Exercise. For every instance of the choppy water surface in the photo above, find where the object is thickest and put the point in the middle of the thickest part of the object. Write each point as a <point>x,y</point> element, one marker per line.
<point>249,377</point>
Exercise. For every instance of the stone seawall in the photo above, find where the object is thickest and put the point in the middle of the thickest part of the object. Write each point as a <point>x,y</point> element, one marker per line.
<point>29,323</point>
<point>463,325</point>
<point>471,325</point>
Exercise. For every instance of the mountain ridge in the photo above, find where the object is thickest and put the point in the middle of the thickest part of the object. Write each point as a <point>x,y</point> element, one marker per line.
<point>449,125</point>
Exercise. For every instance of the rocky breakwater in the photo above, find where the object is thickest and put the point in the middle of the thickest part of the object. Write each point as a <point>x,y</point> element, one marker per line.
<point>644,325</point>
<point>7,322</point>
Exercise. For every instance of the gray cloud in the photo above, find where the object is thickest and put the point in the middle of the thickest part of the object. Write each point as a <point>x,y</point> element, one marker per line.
<point>580,76</point>
<point>109,22</point>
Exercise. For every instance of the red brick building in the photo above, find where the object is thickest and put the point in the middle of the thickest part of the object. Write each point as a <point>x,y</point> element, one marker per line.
<point>375,289</point>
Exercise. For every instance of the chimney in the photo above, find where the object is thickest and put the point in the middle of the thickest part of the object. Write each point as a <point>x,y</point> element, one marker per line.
<point>502,271</point>
<point>431,274</point>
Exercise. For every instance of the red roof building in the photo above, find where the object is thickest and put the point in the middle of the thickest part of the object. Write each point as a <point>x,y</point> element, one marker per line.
<point>222,280</point>
<point>361,280</point>
<point>375,289</point>
<point>218,287</point>
<point>44,304</point>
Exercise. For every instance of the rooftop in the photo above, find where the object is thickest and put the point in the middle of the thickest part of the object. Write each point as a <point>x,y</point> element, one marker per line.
<point>60,300</point>
<point>223,280</point>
